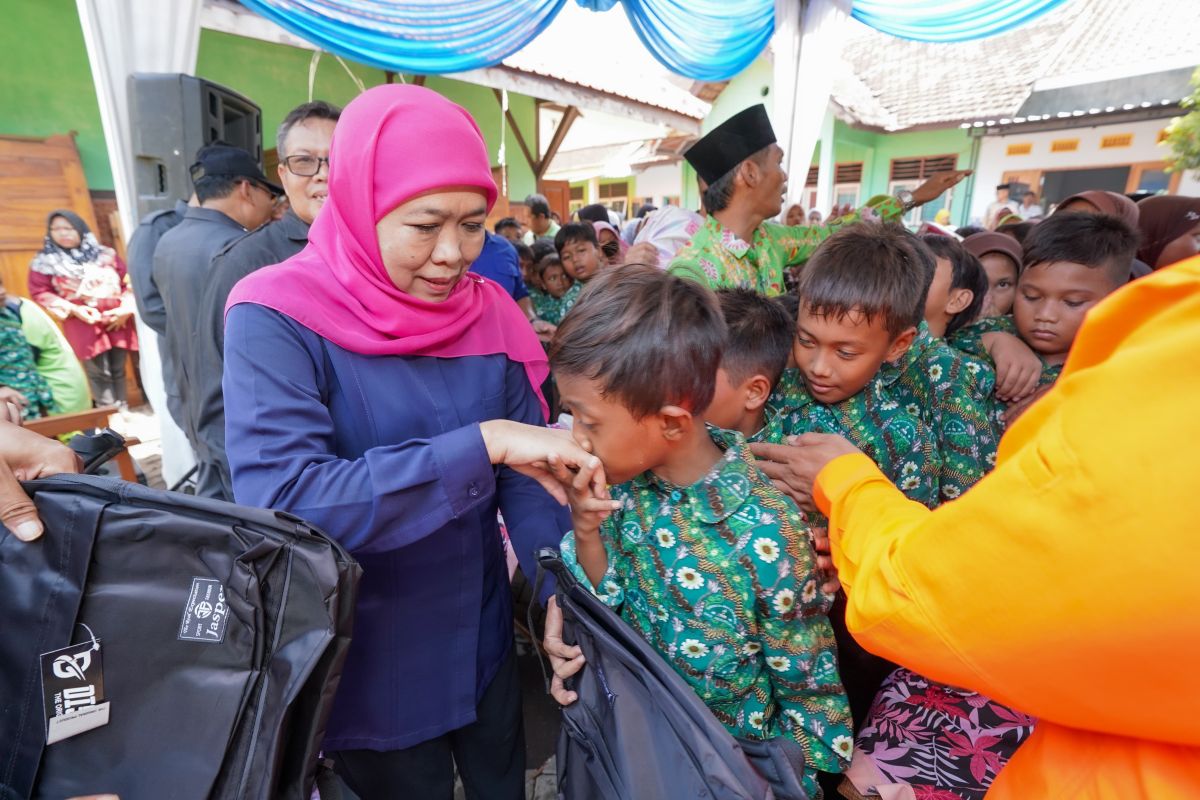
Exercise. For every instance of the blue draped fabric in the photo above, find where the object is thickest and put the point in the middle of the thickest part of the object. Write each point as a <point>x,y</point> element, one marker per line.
<point>949,20</point>
<point>708,40</point>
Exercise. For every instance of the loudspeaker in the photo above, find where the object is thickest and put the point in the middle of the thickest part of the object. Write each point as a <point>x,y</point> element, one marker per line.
<point>173,116</point>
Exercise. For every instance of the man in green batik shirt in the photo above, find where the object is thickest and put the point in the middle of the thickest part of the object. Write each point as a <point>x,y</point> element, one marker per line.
<point>744,184</point>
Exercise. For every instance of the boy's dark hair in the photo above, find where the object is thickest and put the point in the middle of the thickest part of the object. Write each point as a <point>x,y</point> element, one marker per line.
<point>644,209</point>
<point>507,222</point>
<point>593,213</point>
<point>881,270</point>
<point>969,230</point>
<point>542,248</point>
<point>1098,241</point>
<point>791,304</point>
<point>966,273</point>
<point>524,252</point>
<point>720,192</point>
<point>1017,230</point>
<point>317,109</point>
<point>649,338</point>
<point>759,337</point>
<point>539,206</point>
<point>575,232</point>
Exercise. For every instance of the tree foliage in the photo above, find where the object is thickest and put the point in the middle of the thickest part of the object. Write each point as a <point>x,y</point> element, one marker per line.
<point>1183,134</point>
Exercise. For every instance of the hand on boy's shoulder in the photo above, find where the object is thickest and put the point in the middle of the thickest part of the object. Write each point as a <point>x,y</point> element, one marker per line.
<point>794,467</point>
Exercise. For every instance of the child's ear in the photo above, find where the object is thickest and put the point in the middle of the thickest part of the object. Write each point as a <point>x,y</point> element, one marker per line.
<point>900,345</point>
<point>959,300</point>
<point>676,423</point>
<point>756,388</point>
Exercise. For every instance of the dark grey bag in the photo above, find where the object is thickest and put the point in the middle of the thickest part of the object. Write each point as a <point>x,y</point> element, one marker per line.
<point>639,731</point>
<point>222,633</point>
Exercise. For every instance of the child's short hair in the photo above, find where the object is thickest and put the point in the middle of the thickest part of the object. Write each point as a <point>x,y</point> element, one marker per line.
<point>791,304</point>
<point>542,248</point>
<point>882,270</point>
<point>524,252</point>
<point>759,337</point>
<point>1098,241</point>
<point>966,273</point>
<point>507,222</point>
<point>649,338</point>
<point>575,232</point>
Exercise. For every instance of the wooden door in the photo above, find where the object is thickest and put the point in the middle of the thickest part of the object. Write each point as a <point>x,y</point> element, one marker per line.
<point>1029,177</point>
<point>558,193</point>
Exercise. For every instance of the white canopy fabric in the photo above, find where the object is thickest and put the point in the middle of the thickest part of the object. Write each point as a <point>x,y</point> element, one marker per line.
<point>124,37</point>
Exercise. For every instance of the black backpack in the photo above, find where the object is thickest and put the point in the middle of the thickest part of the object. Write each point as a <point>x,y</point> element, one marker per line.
<point>638,730</point>
<point>219,632</point>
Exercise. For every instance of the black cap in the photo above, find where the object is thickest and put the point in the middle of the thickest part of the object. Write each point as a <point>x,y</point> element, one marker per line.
<point>731,143</point>
<point>226,161</point>
<point>1000,186</point>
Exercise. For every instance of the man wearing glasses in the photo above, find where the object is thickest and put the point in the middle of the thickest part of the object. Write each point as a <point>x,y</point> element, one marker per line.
<point>303,146</point>
<point>234,196</point>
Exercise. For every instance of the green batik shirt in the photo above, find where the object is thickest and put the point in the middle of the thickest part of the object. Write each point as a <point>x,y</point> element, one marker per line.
<point>717,258</point>
<point>969,339</point>
<point>952,394</point>
<point>553,309</point>
<point>721,579</point>
<point>892,435</point>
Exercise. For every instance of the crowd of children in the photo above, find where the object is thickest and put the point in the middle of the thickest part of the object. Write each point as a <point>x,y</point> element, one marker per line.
<point>918,349</point>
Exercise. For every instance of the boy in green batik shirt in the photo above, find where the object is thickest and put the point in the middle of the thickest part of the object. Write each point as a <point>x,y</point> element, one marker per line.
<point>743,182</point>
<point>696,549</point>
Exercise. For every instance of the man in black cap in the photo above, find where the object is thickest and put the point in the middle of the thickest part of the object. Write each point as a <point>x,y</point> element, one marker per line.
<point>302,141</point>
<point>740,167</point>
<point>234,197</point>
<point>1000,207</point>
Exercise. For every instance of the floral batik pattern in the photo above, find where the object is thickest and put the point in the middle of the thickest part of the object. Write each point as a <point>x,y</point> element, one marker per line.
<point>952,393</point>
<point>970,341</point>
<point>946,743</point>
<point>553,309</point>
<point>718,258</point>
<point>720,578</point>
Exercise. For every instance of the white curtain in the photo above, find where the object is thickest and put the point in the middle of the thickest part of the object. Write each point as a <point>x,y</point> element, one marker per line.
<point>807,45</point>
<point>124,37</point>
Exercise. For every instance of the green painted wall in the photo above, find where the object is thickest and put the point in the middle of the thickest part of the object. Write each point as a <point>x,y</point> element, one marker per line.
<point>47,85</point>
<point>750,86</point>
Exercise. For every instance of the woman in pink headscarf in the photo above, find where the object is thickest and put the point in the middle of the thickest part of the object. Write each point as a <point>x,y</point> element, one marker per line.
<point>376,388</point>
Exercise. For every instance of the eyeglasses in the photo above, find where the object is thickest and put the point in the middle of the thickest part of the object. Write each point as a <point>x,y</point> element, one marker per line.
<point>304,166</point>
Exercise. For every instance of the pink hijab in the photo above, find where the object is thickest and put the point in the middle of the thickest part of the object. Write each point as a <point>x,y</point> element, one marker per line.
<point>392,143</point>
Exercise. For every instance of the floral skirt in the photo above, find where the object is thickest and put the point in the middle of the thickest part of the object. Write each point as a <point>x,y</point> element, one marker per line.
<point>946,743</point>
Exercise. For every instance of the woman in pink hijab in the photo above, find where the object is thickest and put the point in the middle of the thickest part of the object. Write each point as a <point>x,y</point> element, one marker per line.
<point>377,389</point>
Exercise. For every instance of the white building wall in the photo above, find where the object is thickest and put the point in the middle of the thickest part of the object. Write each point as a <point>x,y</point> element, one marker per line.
<point>664,180</point>
<point>994,161</point>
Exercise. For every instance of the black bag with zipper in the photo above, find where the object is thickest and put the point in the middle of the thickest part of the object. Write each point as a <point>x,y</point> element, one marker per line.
<point>212,635</point>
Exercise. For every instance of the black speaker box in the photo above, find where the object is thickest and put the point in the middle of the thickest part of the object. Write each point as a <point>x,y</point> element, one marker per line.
<point>173,116</point>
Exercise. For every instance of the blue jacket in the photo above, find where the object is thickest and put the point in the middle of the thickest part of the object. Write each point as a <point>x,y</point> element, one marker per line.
<point>498,261</point>
<point>384,453</point>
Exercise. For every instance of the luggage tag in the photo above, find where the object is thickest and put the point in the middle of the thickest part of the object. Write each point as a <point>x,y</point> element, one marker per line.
<point>73,689</point>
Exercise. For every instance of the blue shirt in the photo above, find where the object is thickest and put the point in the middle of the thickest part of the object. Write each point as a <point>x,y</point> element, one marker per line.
<point>384,454</point>
<point>498,261</point>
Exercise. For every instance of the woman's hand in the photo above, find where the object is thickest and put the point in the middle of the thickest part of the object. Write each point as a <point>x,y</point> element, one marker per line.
<point>1018,368</point>
<point>25,455</point>
<point>937,184</point>
<point>565,659</point>
<point>86,314</point>
<point>117,318</point>
<point>1021,406</point>
<point>528,448</point>
<point>825,565</point>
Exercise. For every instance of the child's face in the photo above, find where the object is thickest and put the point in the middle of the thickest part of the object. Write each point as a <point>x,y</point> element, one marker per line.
<point>1002,284</point>
<point>1052,300</point>
<point>581,259</point>
<point>839,357</point>
<point>528,273</point>
<point>555,281</point>
<point>604,427</point>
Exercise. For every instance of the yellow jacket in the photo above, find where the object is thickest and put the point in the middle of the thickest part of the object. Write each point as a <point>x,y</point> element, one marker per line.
<point>1067,582</point>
